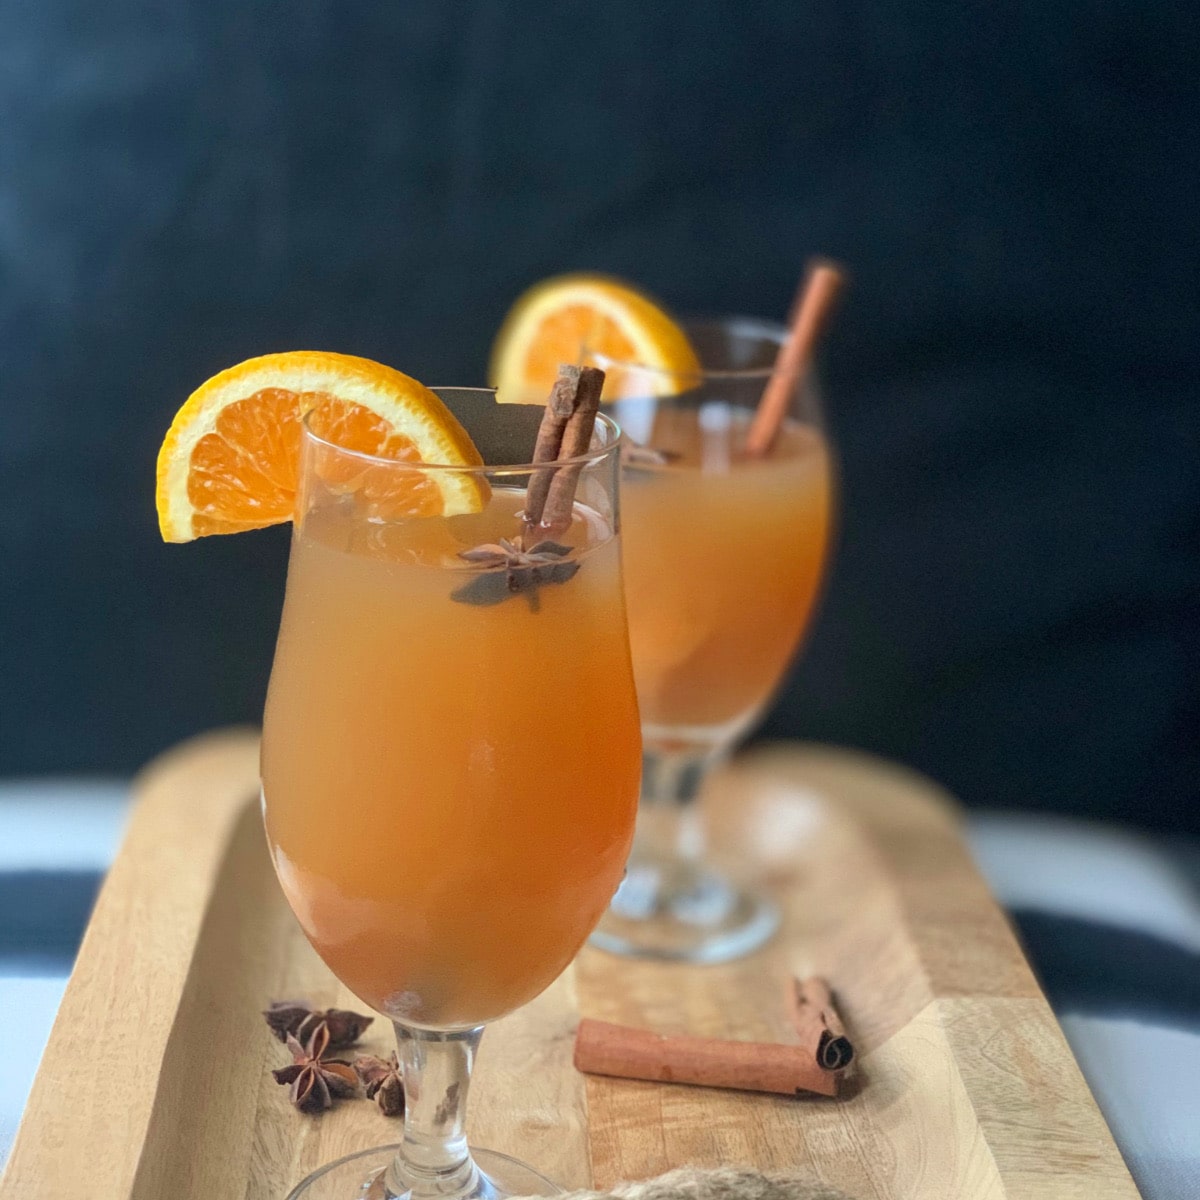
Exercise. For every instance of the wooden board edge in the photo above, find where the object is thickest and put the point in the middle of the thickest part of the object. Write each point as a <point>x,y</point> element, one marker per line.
<point>143,926</point>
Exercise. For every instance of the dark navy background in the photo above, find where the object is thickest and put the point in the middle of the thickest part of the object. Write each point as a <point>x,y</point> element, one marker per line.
<point>1012,381</point>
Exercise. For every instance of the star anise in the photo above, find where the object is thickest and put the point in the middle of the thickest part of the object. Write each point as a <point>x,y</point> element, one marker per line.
<point>297,1018</point>
<point>381,1079</point>
<point>315,1079</point>
<point>508,569</point>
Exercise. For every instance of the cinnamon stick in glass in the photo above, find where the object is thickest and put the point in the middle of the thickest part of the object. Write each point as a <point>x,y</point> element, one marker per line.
<point>555,514</point>
<point>813,1015</point>
<point>559,408</point>
<point>822,283</point>
<point>617,1050</point>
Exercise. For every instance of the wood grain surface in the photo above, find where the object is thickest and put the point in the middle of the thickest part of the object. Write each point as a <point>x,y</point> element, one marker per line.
<point>155,1081</point>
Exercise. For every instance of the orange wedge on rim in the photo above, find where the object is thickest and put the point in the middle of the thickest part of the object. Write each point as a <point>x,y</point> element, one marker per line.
<point>571,318</point>
<point>230,460</point>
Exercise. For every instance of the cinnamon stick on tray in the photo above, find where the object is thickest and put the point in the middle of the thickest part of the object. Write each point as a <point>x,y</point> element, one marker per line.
<point>604,1049</point>
<point>813,1016</point>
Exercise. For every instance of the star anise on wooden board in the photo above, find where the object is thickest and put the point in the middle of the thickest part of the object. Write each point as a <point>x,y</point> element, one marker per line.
<point>508,569</point>
<point>316,1080</point>
<point>301,1021</point>
<point>382,1082</point>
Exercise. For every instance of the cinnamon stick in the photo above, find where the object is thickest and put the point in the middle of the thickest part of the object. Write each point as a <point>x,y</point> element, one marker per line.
<point>555,514</point>
<point>814,1017</point>
<point>559,408</point>
<point>822,283</point>
<point>604,1049</point>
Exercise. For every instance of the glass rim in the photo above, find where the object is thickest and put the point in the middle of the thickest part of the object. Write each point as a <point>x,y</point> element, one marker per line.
<point>760,327</point>
<point>593,457</point>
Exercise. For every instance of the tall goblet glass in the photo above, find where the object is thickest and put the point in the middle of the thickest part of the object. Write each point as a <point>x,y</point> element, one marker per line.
<point>724,554</point>
<point>450,771</point>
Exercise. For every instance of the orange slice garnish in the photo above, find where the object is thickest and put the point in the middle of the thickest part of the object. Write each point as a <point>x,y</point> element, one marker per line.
<point>572,318</point>
<point>230,460</point>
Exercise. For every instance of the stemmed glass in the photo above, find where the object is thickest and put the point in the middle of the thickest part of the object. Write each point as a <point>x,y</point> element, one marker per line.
<point>450,769</point>
<point>724,553</point>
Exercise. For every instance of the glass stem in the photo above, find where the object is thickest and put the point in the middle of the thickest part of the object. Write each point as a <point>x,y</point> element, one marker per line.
<point>669,827</point>
<point>674,904</point>
<point>434,1159</point>
<point>667,873</point>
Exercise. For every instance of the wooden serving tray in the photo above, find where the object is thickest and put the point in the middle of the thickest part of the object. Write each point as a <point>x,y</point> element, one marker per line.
<point>155,1081</point>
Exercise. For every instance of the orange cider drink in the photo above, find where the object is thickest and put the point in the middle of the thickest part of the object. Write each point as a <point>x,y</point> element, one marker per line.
<point>450,769</point>
<point>725,551</point>
<point>451,746</point>
<point>723,560</point>
<point>726,501</point>
<point>724,548</point>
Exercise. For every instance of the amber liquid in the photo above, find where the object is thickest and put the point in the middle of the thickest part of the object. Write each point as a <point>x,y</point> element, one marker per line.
<point>449,788</point>
<point>723,560</point>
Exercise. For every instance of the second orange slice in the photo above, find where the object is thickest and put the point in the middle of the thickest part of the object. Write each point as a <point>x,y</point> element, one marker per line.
<point>574,318</point>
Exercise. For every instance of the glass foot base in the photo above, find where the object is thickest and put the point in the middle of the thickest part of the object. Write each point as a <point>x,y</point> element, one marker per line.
<point>683,912</point>
<point>363,1176</point>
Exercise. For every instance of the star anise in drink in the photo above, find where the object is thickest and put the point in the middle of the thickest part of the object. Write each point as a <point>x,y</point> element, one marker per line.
<point>507,569</point>
<point>316,1080</point>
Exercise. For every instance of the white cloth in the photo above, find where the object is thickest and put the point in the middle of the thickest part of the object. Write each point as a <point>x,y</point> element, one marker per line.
<point>21,1044</point>
<point>1146,1079</point>
<point>67,824</point>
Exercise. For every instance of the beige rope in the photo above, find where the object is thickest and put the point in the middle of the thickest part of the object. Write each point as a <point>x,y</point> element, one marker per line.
<point>729,1183</point>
